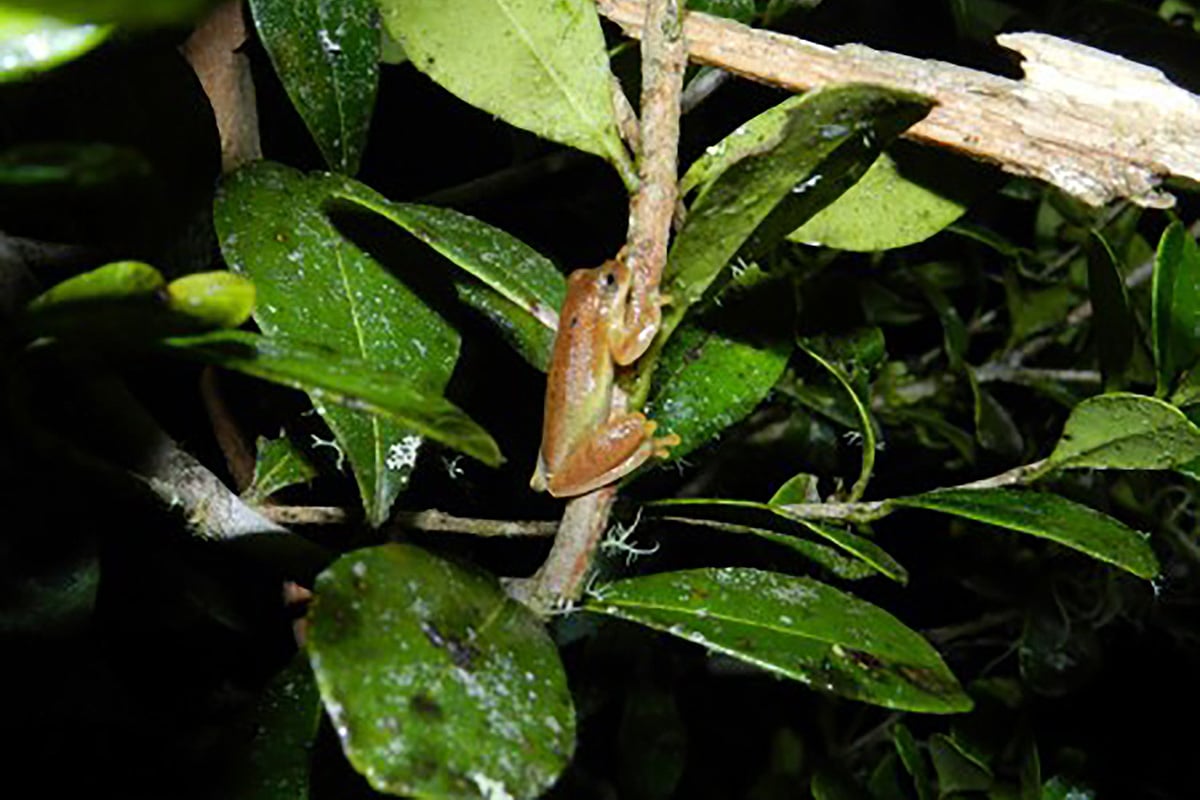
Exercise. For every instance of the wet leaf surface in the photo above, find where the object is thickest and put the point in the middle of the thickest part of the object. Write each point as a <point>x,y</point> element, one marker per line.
<point>796,627</point>
<point>1050,517</point>
<point>439,684</point>
<point>327,57</point>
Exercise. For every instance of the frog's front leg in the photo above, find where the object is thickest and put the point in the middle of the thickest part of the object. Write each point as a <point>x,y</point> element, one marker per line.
<point>607,454</point>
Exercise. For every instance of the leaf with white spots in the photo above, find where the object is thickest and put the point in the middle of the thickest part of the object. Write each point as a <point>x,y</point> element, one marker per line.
<point>795,627</point>
<point>327,57</point>
<point>315,285</point>
<point>510,283</point>
<point>333,379</point>
<point>439,685</point>
<point>715,370</point>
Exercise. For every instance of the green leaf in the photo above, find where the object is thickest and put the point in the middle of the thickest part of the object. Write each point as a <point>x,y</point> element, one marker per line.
<point>1049,517</point>
<point>33,42</point>
<point>800,488</point>
<point>886,782</point>
<point>765,517</point>
<point>327,57</point>
<point>795,627</point>
<point>851,569</point>
<point>956,772</point>
<point>530,337</point>
<point>1125,431</point>
<point>129,302</point>
<point>501,262</point>
<point>913,761</point>
<point>212,299</point>
<point>904,198</point>
<point>121,280</point>
<point>1175,309</point>
<point>713,372</point>
<point>279,464</point>
<point>439,684</point>
<point>807,150</point>
<point>125,12</point>
<point>276,763</point>
<point>850,361</point>
<point>70,166</point>
<point>829,784</point>
<point>330,377</point>
<point>1114,329</point>
<point>315,285</point>
<point>540,67</point>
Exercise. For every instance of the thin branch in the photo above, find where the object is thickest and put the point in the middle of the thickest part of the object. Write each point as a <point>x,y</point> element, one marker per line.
<point>560,580</point>
<point>433,520</point>
<point>239,458</point>
<point>872,510</point>
<point>304,515</point>
<point>1057,124</point>
<point>664,57</point>
<point>627,120</point>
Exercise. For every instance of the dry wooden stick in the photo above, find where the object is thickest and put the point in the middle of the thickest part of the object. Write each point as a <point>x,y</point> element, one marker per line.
<point>1096,125</point>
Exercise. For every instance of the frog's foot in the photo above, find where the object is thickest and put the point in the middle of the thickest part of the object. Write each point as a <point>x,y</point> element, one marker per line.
<point>659,446</point>
<point>662,445</point>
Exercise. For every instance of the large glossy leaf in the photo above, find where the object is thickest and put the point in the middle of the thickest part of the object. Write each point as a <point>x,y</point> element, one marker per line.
<point>126,12</point>
<point>785,522</point>
<point>901,200</point>
<point>31,42</point>
<point>1048,516</point>
<point>1125,431</point>
<point>327,56</point>
<point>334,380</point>
<point>716,370</point>
<point>796,627</point>
<point>538,66</point>
<point>317,286</point>
<point>439,684</point>
<point>805,152</point>
<point>503,263</point>
<point>1114,330</point>
<point>1176,306</point>
<point>278,464</point>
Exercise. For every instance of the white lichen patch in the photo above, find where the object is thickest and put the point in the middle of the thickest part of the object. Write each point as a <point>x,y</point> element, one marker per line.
<point>403,454</point>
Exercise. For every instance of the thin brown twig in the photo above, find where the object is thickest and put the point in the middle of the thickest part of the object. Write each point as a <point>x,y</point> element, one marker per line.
<point>434,520</point>
<point>238,456</point>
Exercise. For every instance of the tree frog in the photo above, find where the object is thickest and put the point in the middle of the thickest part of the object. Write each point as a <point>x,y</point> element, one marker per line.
<point>584,446</point>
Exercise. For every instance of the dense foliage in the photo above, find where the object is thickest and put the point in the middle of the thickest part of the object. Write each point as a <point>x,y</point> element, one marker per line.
<point>930,530</point>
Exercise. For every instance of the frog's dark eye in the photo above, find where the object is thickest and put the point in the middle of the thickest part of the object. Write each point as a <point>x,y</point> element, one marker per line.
<point>609,279</point>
